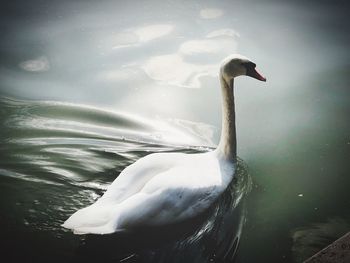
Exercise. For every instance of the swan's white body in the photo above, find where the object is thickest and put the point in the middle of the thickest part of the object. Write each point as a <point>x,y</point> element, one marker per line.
<point>167,188</point>
<point>157,190</point>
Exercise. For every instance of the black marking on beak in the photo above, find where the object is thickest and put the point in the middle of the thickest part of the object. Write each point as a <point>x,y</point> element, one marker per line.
<point>252,72</point>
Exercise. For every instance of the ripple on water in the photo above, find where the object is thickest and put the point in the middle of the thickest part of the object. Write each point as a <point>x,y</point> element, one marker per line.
<point>59,158</point>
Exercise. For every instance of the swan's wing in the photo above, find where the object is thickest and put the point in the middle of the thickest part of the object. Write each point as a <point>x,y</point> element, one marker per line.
<point>159,190</point>
<point>180,193</point>
<point>164,207</point>
<point>166,199</point>
<point>177,194</point>
<point>133,178</point>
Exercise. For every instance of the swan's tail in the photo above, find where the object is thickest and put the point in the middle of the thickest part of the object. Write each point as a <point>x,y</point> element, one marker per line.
<point>94,219</point>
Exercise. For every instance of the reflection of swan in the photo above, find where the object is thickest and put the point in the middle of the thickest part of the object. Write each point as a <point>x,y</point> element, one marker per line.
<point>167,188</point>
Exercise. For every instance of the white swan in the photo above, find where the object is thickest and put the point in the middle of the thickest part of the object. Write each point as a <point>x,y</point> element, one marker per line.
<point>167,188</point>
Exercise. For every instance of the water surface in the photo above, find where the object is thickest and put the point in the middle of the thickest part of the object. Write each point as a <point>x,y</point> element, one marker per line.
<point>58,158</point>
<point>89,87</point>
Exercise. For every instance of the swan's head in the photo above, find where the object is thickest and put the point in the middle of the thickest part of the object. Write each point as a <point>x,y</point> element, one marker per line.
<point>238,65</point>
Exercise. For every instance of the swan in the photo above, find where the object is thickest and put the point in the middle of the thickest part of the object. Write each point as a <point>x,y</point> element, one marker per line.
<point>163,189</point>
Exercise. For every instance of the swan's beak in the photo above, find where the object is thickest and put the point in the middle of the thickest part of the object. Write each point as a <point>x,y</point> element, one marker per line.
<point>252,72</point>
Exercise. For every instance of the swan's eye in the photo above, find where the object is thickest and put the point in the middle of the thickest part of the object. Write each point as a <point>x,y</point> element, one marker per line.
<point>249,64</point>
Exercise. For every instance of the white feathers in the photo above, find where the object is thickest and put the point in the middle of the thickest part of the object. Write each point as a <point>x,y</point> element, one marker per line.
<point>158,189</point>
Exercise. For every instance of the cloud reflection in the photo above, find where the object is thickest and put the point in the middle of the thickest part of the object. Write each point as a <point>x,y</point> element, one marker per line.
<point>142,34</point>
<point>223,32</point>
<point>174,70</point>
<point>211,13</point>
<point>148,33</point>
<point>193,60</point>
<point>39,64</point>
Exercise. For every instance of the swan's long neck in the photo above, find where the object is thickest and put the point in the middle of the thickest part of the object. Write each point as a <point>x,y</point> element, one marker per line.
<point>227,145</point>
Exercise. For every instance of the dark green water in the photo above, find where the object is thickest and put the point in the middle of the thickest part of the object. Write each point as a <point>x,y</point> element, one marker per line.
<point>88,87</point>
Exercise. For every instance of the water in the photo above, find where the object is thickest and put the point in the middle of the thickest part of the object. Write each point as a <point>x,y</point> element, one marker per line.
<point>58,158</point>
<point>87,88</point>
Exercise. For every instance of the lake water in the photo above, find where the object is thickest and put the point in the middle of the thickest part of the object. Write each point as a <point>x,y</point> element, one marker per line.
<point>89,87</point>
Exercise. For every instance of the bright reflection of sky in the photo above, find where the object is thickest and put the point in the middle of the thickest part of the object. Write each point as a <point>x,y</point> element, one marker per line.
<point>211,13</point>
<point>157,58</point>
<point>38,64</point>
<point>141,35</point>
